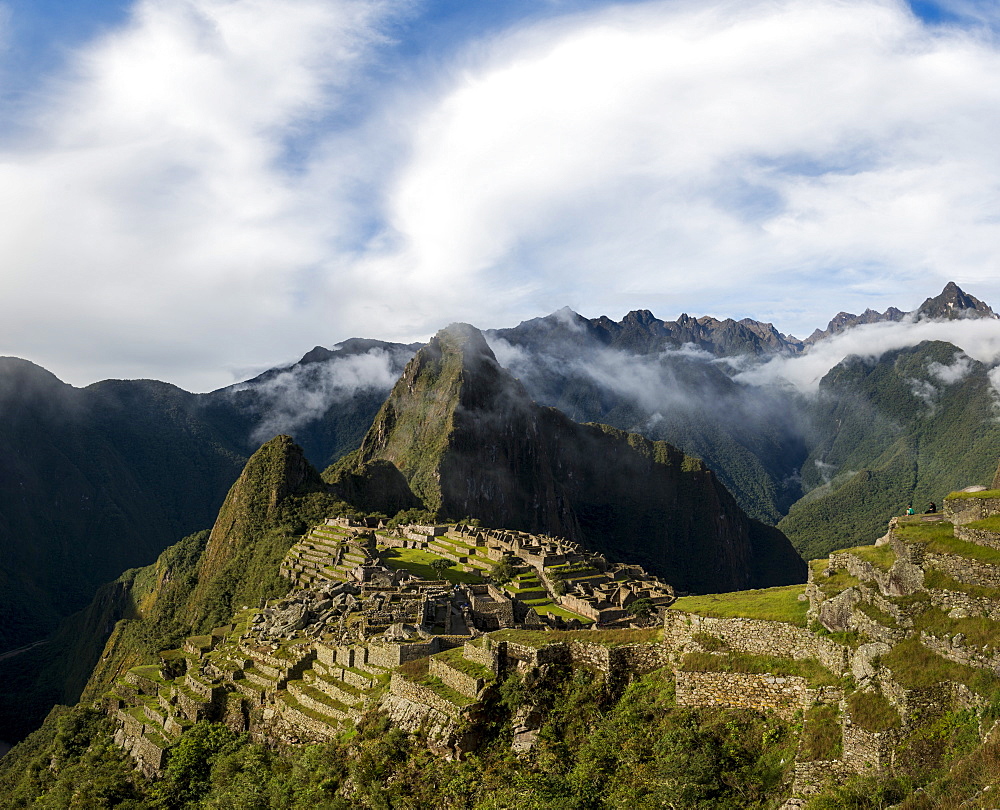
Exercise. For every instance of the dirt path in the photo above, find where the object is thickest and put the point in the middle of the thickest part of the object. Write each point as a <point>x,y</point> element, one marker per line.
<point>24,649</point>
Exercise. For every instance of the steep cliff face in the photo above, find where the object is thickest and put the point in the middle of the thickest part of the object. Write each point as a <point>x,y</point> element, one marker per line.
<point>470,442</point>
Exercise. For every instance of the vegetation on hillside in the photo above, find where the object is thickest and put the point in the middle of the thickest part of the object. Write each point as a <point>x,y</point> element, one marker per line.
<point>894,434</point>
<point>595,748</point>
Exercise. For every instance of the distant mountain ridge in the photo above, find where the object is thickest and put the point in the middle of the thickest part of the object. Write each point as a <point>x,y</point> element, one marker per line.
<point>951,304</point>
<point>103,472</point>
<point>643,333</point>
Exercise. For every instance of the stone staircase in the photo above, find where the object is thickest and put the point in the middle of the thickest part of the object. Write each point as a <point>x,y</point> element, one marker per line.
<point>327,554</point>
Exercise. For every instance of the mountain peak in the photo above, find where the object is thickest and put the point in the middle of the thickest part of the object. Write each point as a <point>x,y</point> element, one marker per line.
<point>953,303</point>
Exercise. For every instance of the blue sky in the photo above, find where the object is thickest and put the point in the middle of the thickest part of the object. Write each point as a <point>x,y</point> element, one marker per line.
<point>195,189</point>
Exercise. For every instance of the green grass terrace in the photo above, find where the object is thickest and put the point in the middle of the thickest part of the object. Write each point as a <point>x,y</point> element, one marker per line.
<point>418,562</point>
<point>780,604</point>
<point>879,556</point>
<point>814,673</point>
<point>939,538</point>
<point>988,493</point>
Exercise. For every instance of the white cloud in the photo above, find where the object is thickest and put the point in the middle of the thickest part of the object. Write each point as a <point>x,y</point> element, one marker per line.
<point>924,390</point>
<point>222,183</point>
<point>691,150</point>
<point>153,219</point>
<point>304,392</point>
<point>979,339</point>
<point>951,374</point>
<point>994,375</point>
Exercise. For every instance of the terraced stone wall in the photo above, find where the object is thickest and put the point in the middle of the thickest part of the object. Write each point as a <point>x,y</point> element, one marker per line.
<point>152,756</point>
<point>972,605</point>
<point>783,695</point>
<point>628,660</point>
<point>481,654</point>
<point>300,722</point>
<point>511,653</point>
<point>459,681</point>
<point>754,636</point>
<point>389,656</point>
<point>955,650</point>
<point>967,510</point>
<point>416,693</point>
<point>971,572</point>
<point>980,537</point>
<point>868,749</point>
<point>813,777</point>
<point>925,703</point>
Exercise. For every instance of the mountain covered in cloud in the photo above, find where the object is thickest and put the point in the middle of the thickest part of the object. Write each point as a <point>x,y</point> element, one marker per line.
<point>470,441</point>
<point>111,473</point>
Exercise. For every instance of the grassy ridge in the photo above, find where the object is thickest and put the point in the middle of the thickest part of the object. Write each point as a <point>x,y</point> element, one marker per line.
<point>770,604</point>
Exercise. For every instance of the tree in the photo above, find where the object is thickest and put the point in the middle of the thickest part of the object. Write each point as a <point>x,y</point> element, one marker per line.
<point>641,608</point>
<point>503,571</point>
<point>441,565</point>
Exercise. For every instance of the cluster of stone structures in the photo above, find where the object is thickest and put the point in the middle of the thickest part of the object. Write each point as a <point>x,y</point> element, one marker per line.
<point>299,667</point>
<point>429,654</point>
<point>546,570</point>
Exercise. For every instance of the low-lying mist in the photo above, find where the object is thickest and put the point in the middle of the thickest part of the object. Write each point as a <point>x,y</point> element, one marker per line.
<point>285,400</point>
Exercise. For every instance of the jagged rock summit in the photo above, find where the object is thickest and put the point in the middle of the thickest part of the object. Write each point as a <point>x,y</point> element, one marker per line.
<point>641,332</point>
<point>952,303</point>
<point>470,442</point>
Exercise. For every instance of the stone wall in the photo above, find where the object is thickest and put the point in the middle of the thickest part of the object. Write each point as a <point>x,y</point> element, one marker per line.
<point>981,537</point>
<point>868,749</point>
<point>903,577</point>
<point>511,653</point>
<point>875,630</point>
<point>855,566</point>
<point>971,572</point>
<point>955,649</point>
<point>206,691</point>
<point>642,658</point>
<point>481,654</point>
<point>966,510</point>
<point>925,703</point>
<point>811,778</point>
<point>416,693</point>
<point>192,707</point>
<point>971,605</point>
<point>151,755</point>
<point>302,723</point>
<point>389,656</point>
<point>468,685</point>
<point>783,695</point>
<point>142,684</point>
<point>754,636</point>
<point>584,607</point>
<point>594,656</point>
<point>310,702</point>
